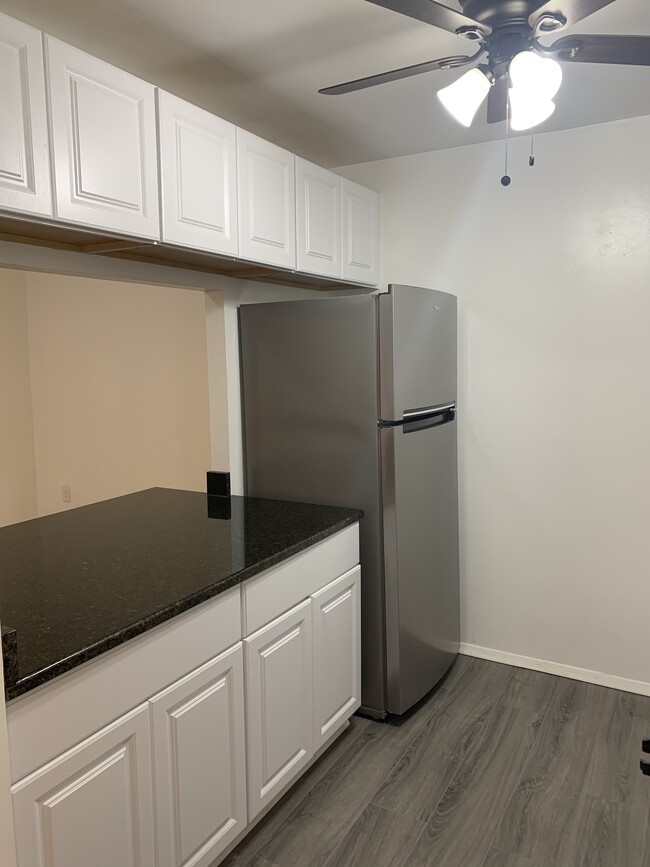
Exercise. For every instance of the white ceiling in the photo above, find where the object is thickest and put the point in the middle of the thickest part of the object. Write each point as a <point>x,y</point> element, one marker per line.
<point>259,64</point>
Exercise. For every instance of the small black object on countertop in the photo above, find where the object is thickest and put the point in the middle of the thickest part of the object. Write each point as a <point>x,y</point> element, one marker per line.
<point>76,584</point>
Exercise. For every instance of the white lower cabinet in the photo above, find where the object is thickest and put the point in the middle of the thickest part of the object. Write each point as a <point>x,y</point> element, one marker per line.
<point>176,781</point>
<point>336,621</point>
<point>93,804</point>
<point>200,763</point>
<point>279,704</point>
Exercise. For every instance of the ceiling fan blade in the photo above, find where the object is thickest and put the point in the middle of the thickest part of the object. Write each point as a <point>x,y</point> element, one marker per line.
<point>583,48</point>
<point>432,13</point>
<point>572,10</point>
<point>497,101</point>
<point>396,74</point>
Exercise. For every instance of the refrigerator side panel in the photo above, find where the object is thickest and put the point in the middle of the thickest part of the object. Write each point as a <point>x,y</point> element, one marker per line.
<point>309,376</point>
<point>421,558</point>
<point>417,349</point>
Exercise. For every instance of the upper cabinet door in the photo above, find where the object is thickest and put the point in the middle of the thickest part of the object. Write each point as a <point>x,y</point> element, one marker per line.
<point>267,205</point>
<point>24,153</point>
<point>104,141</point>
<point>360,225</point>
<point>318,220</point>
<point>198,155</point>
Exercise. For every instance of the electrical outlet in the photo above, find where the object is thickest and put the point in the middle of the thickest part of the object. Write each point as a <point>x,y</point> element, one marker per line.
<point>66,495</point>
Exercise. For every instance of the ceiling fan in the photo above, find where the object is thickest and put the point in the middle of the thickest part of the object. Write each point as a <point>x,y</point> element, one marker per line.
<point>511,66</point>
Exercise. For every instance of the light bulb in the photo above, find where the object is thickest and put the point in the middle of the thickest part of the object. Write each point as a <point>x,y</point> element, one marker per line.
<point>527,111</point>
<point>463,98</point>
<point>534,81</point>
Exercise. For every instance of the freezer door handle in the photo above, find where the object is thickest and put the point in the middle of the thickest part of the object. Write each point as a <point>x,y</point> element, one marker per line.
<point>411,415</point>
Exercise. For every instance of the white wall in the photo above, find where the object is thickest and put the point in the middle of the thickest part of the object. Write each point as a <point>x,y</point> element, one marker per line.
<point>553,279</point>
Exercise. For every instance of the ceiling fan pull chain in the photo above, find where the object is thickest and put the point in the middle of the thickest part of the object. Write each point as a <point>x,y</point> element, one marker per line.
<point>505,180</point>
<point>531,158</point>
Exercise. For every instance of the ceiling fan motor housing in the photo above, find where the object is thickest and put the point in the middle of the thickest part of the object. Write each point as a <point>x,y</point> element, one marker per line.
<point>496,12</point>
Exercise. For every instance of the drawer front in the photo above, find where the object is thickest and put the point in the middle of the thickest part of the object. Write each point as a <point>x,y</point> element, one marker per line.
<point>280,588</point>
<point>79,703</point>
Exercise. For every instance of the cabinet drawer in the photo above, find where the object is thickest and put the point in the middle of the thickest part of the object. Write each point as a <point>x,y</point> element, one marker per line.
<point>81,702</point>
<point>280,588</point>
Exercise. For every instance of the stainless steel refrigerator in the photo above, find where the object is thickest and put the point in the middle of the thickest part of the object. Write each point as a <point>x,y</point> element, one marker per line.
<point>352,401</point>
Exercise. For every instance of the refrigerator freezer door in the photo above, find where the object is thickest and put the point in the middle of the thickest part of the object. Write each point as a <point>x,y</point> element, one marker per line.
<point>417,350</point>
<point>420,513</point>
<point>309,376</point>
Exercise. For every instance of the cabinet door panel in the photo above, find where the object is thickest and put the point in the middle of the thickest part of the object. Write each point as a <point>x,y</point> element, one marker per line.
<point>93,804</point>
<point>318,220</point>
<point>360,233</point>
<point>104,140</point>
<point>199,181</point>
<point>267,207</point>
<point>200,762</point>
<point>24,151</point>
<point>279,704</point>
<point>337,654</point>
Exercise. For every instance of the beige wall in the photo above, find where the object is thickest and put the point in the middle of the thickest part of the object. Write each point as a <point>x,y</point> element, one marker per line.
<point>117,374</point>
<point>119,388</point>
<point>17,477</point>
<point>553,279</point>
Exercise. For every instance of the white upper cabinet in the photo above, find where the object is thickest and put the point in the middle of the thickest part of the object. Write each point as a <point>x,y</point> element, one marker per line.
<point>318,220</point>
<point>104,140</point>
<point>267,206</point>
<point>360,238</point>
<point>24,153</point>
<point>198,153</point>
<point>200,762</point>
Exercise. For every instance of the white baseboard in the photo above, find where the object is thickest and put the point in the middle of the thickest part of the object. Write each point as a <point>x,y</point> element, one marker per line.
<point>613,681</point>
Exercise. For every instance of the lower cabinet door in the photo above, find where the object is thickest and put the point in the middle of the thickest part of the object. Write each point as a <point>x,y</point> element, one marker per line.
<point>336,623</point>
<point>279,704</point>
<point>199,755</point>
<point>93,804</point>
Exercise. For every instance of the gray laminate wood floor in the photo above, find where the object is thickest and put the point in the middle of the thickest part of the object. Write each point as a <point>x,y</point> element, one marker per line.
<point>499,767</point>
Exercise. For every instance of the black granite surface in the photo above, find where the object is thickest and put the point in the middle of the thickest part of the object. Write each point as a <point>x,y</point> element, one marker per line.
<point>78,583</point>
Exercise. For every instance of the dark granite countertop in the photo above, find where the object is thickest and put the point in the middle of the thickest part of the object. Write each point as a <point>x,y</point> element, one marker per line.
<point>75,584</point>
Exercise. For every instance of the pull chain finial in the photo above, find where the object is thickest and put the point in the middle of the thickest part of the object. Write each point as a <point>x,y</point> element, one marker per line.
<point>506,179</point>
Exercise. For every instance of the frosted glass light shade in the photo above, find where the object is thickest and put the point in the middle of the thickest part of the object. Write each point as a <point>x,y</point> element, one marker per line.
<point>463,98</point>
<point>534,81</point>
<point>526,111</point>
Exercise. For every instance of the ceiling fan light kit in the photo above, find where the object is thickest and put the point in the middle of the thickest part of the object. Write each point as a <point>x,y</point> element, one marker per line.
<point>519,74</point>
<point>463,98</point>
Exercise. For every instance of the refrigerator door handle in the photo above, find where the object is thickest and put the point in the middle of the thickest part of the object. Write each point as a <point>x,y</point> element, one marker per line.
<point>428,411</point>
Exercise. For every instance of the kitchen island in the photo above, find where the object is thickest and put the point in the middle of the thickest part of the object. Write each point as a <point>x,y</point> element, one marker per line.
<point>196,653</point>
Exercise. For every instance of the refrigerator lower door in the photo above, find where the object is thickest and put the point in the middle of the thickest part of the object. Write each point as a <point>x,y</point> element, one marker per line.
<point>420,517</point>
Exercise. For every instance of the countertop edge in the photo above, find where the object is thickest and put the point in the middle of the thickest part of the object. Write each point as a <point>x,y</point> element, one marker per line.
<point>18,688</point>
